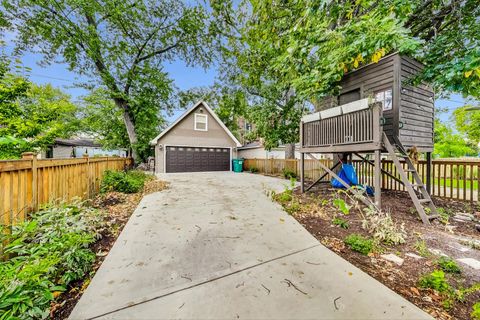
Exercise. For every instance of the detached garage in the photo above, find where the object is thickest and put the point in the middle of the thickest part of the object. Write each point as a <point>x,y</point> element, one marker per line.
<point>197,141</point>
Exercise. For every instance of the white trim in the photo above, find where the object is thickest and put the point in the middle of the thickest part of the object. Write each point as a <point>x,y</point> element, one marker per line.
<point>195,122</point>
<point>186,113</point>
<point>185,146</point>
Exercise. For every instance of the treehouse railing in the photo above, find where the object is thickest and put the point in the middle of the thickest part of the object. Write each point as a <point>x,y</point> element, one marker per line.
<point>353,128</point>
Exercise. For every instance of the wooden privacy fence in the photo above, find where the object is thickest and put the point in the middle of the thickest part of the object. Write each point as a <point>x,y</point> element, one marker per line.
<point>454,179</point>
<point>29,183</point>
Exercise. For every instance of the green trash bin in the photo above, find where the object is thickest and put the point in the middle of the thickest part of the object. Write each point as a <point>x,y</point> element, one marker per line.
<point>237,165</point>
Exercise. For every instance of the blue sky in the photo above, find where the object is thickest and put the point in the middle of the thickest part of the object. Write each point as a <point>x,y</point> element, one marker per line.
<point>59,76</point>
<point>183,76</point>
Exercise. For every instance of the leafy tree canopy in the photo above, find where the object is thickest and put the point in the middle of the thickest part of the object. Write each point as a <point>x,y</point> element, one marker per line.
<point>100,117</point>
<point>31,116</point>
<point>120,45</point>
<point>284,51</point>
<point>449,144</point>
<point>467,121</point>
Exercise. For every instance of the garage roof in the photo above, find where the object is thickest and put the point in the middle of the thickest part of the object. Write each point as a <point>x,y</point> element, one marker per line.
<point>155,140</point>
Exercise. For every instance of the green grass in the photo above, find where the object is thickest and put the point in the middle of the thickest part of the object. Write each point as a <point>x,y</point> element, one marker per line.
<point>456,184</point>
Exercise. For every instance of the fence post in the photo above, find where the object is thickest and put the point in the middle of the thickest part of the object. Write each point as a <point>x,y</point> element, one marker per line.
<point>88,174</point>
<point>33,157</point>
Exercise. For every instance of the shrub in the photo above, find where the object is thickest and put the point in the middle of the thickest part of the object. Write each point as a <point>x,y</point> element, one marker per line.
<point>476,311</point>
<point>448,265</point>
<point>121,181</point>
<point>342,223</point>
<point>435,280</point>
<point>253,170</point>
<point>341,205</point>
<point>382,227</point>
<point>46,254</point>
<point>358,243</point>
<point>422,249</point>
<point>289,174</point>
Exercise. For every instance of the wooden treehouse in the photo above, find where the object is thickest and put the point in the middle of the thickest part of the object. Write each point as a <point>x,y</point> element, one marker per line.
<point>378,110</point>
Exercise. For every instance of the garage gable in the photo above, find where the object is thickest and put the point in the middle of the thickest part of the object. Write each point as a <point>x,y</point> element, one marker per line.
<point>198,126</point>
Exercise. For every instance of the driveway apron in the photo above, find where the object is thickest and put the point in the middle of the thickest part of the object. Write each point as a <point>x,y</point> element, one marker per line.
<point>214,245</point>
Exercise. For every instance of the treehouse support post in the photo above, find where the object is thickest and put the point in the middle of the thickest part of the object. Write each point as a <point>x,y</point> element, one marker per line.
<point>302,162</point>
<point>429,173</point>
<point>377,178</point>
<point>302,172</point>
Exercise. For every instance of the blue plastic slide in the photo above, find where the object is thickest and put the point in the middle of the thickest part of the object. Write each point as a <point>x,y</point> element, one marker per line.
<point>348,175</point>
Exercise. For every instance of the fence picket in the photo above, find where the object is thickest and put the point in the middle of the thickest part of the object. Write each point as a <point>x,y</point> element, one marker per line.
<point>454,179</point>
<point>28,183</point>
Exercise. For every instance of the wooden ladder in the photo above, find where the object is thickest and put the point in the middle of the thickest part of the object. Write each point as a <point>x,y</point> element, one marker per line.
<point>417,191</point>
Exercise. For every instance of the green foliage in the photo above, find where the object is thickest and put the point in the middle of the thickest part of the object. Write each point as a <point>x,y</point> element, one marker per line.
<point>342,223</point>
<point>358,243</point>
<point>467,121</point>
<point>475,311</point>
<point>289,174</point>
<point>101,118</point>
<point>289,203</point>
<point>449,144</point>
<point>31,116</point>
<point>289,56</point>
<point>448,265</point>
<point>121,46</point>
<point>46,253</point>
<point>341,205</point>
<point>126,182</point>
<point>435,280</point>
<point>444,215</point>
<point>422,249</point>
<point>381,225</point>
<point>253,170</point>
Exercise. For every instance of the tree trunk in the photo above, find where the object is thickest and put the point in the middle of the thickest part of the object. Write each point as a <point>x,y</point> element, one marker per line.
<point>290,151</point>
<point>130,126</point>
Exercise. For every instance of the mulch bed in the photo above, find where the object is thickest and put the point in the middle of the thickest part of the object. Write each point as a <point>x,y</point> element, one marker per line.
<point>315,212</point>
<point>120,207</point>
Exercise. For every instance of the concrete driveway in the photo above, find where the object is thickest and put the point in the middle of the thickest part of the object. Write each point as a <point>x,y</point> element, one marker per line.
<point>215,246</point>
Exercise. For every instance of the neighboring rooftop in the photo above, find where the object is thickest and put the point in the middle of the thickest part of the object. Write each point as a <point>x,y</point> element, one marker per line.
<point>77,142</point>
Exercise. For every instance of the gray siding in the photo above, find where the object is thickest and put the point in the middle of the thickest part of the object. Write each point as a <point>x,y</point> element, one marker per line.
<point>416,109</point>
<point>62,151</point>
<point>183,134</point>
<point>412,107</point>
<point>373,78</point>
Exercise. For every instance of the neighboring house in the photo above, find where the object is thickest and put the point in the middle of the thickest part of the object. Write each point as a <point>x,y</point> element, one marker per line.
<point>197,141</point>
<point>255,150</point>
<point>77,148</point>
<point>244,128</point>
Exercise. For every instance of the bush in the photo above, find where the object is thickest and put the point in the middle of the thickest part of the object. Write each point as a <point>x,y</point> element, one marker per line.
<point>358,243</point>
<point>448,265</point>
<point>476,311</point>
<point>435,280</point>
<point>45,254</point>
<point>121,181</point>
<point>253,170</point>
<point>382,227</point>
<point>342,223</point>
<point>289,174</point>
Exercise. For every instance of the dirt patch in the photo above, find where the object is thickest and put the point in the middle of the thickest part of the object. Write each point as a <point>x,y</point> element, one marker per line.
<point>120,207</point>
<point>420,253</point>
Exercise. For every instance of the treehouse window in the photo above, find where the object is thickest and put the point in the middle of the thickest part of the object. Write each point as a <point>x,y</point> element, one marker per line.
<point>385,97</point>
<point>349,96</point>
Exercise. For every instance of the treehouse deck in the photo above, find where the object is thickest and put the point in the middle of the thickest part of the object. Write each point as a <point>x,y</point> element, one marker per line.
<point>356,128</point>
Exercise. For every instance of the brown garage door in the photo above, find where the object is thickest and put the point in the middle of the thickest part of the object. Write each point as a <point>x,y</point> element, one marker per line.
<point>194,159</point>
